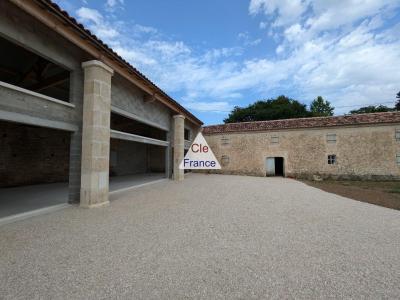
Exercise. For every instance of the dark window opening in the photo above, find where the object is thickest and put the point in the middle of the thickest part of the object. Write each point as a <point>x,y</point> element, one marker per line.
<point>30,71</point>
<point>124,124</point>
<point>187,134</point>
<point>332,159</point>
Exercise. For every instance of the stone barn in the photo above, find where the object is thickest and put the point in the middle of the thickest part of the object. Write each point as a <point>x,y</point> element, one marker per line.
<point>365,146</point>
<point>76,120</point>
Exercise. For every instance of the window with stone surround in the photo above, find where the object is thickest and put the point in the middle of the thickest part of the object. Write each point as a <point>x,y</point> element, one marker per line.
<point>332,159</point>
<point>224,141</point>
<point>274,139</point>
<point>397,134</point>
<point>331,138</point>
<point>398,159</point>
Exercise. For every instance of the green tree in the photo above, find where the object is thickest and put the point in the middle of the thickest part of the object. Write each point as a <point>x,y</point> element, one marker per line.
<point>321,108</point>
<point>371,109</point>
<point>397,106</point>
<point>281,107</point>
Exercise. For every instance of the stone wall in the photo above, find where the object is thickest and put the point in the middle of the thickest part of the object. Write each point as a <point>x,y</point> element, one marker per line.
<point>156,158</point>
<point>127,158</point>
<point>363,152</point>
<point>32,155</point>
<point>129,98</point>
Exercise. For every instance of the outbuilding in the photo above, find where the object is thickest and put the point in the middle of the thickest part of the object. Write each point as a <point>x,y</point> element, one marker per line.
<point>76,120</point>
<point>364,146</point>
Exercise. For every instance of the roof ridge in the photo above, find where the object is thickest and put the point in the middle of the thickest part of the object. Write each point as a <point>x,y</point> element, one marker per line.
<point>307,118</point>
<point>313,122</point>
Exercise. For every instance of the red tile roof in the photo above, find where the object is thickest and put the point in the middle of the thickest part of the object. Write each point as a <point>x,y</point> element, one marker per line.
<point>348,120</point>
<point>55,9</point>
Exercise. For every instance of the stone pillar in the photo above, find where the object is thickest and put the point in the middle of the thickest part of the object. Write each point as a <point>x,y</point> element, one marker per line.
<point>179,145</point>
<point>75,152</point>
<point>95,134</point>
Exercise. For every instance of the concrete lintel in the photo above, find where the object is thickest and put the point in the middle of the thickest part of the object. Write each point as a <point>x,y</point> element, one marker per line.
<point>137,138</point>
<point>97,63</point>
<point>35,94</point>
<point>135,117</point>
<point>29,120</point>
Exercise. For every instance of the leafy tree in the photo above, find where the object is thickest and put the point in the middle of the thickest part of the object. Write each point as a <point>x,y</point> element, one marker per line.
<point>397,106</point>
<point>371,109</point>
<point>272,109</point>
<point>321,108</point>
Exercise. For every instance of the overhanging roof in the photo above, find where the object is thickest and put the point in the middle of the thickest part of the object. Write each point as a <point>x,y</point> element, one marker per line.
<point>60,21</point>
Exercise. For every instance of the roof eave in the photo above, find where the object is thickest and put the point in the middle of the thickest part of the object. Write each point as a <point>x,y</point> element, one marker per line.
<point>98,49</point>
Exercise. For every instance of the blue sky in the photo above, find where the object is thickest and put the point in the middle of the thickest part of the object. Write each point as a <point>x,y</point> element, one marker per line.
<point>214,55</point>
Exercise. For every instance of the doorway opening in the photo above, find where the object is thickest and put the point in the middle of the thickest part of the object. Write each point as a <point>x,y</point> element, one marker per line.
<point>275,166</point>
<point>34,168</point>
<point>279,166</point>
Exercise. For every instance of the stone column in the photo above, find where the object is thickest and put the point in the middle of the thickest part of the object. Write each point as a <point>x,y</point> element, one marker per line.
<point>95,134</point>
<point>75,152</point>
<point>179,144</point>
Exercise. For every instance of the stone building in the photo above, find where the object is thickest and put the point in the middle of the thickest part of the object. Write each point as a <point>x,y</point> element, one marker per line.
<point>73,112</point>
<point>365,146</point>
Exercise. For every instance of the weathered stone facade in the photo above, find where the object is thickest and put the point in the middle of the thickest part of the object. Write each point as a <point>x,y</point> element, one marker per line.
<point>362,151</point>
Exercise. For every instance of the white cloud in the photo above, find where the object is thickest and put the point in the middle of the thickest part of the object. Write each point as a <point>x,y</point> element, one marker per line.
<point>247,40</point>
<point>287,11</point>
<point>263,25</point>
<point>144,29</point>
<point>353,60</point>
<point>216,107</point>
<point>279,49</point>
<point>168,49</point>
<point>87,14</point>
<point>113,3</point>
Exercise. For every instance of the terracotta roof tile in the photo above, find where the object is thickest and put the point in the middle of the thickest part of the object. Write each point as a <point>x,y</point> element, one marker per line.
<point>360,119</point>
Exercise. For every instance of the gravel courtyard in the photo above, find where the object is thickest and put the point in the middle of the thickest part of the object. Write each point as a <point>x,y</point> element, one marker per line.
<point>209,237</point>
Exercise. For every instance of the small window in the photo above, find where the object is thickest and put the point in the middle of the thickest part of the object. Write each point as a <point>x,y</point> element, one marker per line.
<point>331,159</point>
<point>224,141</point>
<point>274,139</point>
<point>397,135</point>
<point>187,134</point>
<point>398,159</point>
<point>331,137</point>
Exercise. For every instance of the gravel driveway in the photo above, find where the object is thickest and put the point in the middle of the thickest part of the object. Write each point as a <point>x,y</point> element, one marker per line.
<point>209,237</point>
